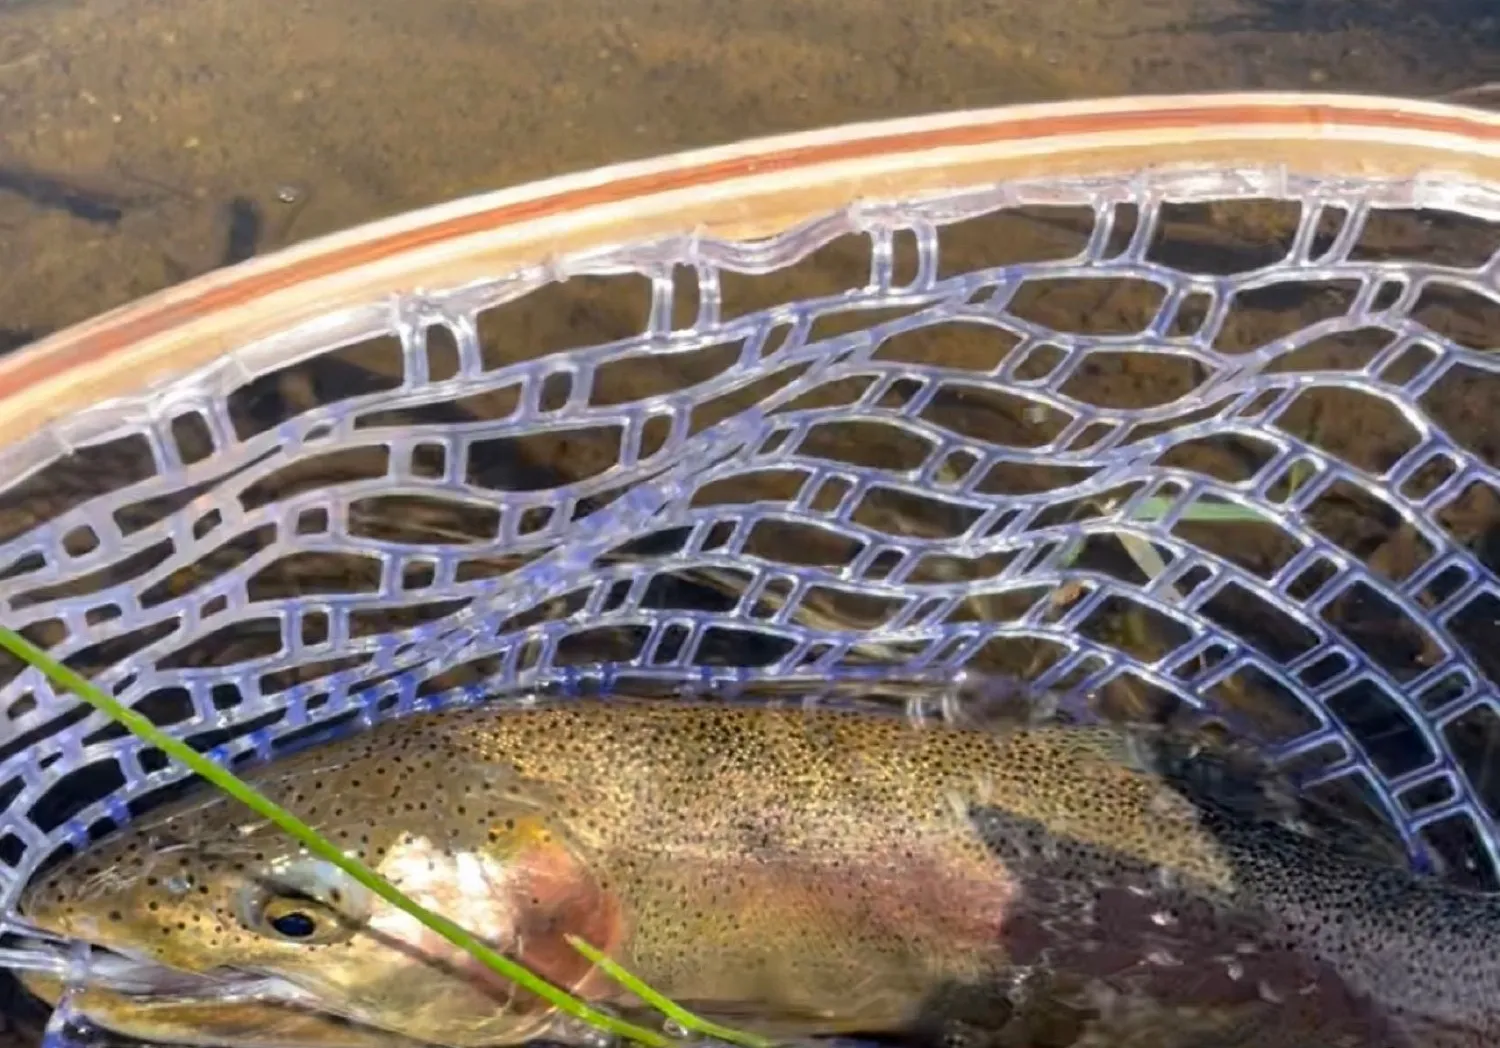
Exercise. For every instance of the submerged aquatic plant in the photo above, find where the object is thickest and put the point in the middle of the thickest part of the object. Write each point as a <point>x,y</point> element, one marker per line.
<point>309,838</point>
<point>1142,552</point>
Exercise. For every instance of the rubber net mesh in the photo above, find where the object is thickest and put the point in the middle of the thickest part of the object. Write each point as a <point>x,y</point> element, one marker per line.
<point>1207,440</point>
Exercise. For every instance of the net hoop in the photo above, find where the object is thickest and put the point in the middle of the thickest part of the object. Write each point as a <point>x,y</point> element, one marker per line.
<point>761,205</point>
<point>743,192</point>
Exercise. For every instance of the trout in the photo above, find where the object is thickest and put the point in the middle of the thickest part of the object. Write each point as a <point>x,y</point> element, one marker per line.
<point>796,872</point>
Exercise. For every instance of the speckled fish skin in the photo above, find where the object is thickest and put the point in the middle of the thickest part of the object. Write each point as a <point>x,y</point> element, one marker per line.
<point>794,871</point>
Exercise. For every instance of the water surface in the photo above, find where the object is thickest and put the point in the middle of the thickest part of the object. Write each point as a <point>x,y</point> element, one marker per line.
<point>145,141</point>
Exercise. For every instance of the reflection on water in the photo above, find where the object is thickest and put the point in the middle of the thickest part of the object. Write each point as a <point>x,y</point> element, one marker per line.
<point>150,140</point>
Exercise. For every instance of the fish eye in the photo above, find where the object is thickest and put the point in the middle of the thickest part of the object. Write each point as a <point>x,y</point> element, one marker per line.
<point>294,923</point>
<point>294,918</point>
<point>304,902</point>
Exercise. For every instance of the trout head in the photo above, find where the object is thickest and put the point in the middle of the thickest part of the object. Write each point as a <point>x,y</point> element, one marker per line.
<point>212,916</point>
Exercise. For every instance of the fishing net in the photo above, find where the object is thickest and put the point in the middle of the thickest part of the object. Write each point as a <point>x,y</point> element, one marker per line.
<point>1170,411</point>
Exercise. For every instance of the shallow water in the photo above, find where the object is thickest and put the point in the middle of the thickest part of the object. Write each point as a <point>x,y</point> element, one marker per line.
<point>146,141</point>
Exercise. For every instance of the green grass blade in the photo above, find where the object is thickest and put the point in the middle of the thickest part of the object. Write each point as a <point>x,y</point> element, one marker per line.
<point>1199,512</point>
<point>309,838</point>
<point>683,1018</point>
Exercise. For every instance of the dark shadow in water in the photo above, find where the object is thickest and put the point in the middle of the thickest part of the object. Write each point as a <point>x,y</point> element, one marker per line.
<point>22,1016</point>
<point>14,338</point>
<point>246,227</point>
<point>1478,17</point>
<point>59,194</point>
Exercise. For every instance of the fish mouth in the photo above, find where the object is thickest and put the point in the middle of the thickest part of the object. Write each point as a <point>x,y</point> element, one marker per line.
<point>141,977</point>
<point>223,985</point>
<point>155,1003</point>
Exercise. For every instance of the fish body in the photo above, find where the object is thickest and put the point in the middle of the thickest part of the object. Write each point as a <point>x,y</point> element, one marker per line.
<point>792,871</point>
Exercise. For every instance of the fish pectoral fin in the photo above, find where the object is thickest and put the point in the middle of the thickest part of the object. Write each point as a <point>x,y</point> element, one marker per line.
<point>781,1024</point>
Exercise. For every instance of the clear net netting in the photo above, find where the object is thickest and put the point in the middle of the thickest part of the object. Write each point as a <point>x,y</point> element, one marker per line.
<point>1202,440</point>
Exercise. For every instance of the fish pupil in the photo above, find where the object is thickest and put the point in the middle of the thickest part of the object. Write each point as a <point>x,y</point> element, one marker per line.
<point>294,925</point>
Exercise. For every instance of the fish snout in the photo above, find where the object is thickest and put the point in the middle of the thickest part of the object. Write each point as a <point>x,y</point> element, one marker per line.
<point>98,903</point>
<point>48,907</point>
